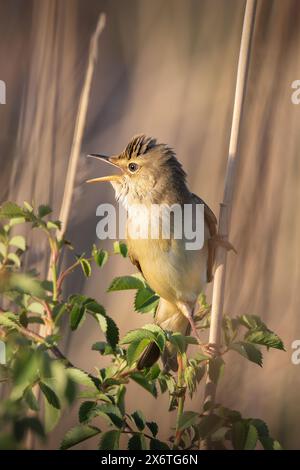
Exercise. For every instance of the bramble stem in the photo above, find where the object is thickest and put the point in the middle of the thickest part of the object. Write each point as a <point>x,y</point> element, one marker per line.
<point>181,399</point>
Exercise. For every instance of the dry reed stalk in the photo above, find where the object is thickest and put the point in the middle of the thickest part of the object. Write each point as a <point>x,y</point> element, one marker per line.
<point>65,210</point>
<point>225,206</point>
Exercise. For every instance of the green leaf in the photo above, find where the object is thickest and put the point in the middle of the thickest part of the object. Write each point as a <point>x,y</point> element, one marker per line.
<point>187,419</point>
<point>80,377</point>
<point>137,335</point>
<point>216,369</point>
<point>145,300</point>
<point>140,379</point>
<point>178,340</point>
<point>28,206</point>
<point>137,442</point>
<point>52,416</point>
<point>265,338</point>
<point>86,267</point>
<point>78,434</point>
<point>3,250</point>
<point>244,436</point>
<point>261,427</point>
<point>160,336</point>
<point>152,426</point>
<point>77,316</point>
<point>43,211</point>
<point>209,424</point>
<point>120,248</point>
<point>269,443</point>
<point>139,420</point>
<point>104,349</point>
<point>85,410</point>
<point>8,321</point>
<point>110,440</point>
<point>56,225</point>
<point>135,350</point>
<point>36,307</point>
<point>50,395</point>
<point>31,400</point>
<point>249,351</point>
<point>125,282</point>
<point>155,444</point>
<point>15,259</point>
<point>109,328</point>
<point>10,210</point>
<point>101,257</point>
<point>109,411</point>
<point>19,242</point>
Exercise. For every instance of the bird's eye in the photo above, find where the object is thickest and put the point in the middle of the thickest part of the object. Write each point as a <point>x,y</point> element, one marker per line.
<point>132,167</point>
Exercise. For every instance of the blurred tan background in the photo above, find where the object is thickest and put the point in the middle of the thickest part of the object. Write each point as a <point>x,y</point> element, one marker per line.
<point>167,68</point>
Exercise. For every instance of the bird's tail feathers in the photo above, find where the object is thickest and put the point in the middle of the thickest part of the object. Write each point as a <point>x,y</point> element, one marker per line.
<point>169,318</point>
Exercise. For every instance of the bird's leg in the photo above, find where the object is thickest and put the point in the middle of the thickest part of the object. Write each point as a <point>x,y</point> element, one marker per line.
<point>209,348</point>
<point>189,314</point>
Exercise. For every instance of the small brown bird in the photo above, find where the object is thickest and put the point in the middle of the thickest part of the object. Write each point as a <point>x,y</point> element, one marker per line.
<point>151,174</point>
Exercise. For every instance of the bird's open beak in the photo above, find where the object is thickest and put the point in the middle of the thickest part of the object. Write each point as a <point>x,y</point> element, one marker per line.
<point>101,179</point>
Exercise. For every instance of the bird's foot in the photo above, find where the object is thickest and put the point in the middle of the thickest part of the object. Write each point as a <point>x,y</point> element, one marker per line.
<point>210,349</point>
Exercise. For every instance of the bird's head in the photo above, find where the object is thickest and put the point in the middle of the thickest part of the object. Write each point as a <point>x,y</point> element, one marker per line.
<point>148,173</point>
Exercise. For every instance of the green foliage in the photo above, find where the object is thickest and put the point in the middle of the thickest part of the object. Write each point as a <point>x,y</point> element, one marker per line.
<point>37,373</point>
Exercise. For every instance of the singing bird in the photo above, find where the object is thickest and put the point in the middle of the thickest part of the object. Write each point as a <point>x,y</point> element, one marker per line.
<point>151,174</point>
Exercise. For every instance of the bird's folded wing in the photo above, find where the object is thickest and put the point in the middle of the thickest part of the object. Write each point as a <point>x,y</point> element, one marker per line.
<point>211,222</point>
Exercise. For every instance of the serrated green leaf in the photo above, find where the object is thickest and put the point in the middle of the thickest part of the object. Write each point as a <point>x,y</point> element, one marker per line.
<point>56,225</point>
<point>135,349</point>
<point>52,416</point>
<point>269,443</point>
<point>139,420</point>
<point>80,377</point>
<point>265,338</point>
<point>3,250</point>
<point>85,410</point>
<point>110,440</point>
<point>137,442</point>
<point>50,395</point>
<point>109,328</point>
<point>155,444</point>
<point>18,241</point>
<point>10,210</point>
<point>209,424</point>
<point>178,340</point>
<point>137,335</point>
<point>187,419</point>
<point>153,427</point>
<point>244,436</point>
<point>125,282</point>
<point>31,400</point>
<point>140,379</point>
<point>261,427</point>
<point>78,434</point>
<point>28,206</point>
<point>44,210</point>
<point>14,258</point>
<point>77,316</point>
<point>110,412</point>
<point>103,348</point>
<point>249,351</point>
<point>145,300</point>
<point>120,248</point>
<point>86,267</point>
<point>8,321</point>
<point>101,257</point>
<point>36,307</point>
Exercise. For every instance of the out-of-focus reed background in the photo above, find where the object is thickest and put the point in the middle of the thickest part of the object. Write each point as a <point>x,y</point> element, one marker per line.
<point>167,68</point>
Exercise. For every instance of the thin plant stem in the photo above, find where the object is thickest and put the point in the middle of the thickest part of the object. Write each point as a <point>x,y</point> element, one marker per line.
<point>181,399</point>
